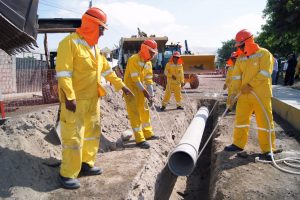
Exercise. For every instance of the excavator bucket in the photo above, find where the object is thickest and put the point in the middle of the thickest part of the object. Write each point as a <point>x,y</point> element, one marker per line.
<point>196,64</point>
<point>18,24</point>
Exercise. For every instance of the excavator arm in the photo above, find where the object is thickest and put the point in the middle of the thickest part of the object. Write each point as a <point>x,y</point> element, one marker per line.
<point>18,24</point>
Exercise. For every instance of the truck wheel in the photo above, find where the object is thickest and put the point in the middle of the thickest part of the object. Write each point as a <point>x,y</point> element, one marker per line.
<point>194,81</point>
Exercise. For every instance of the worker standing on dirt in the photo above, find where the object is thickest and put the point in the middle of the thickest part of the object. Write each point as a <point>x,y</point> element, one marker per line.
<point>175,80</point>
<point>79,67</point>
<point>230,63</point>
<point>252,76</point>
<point>139,78</point>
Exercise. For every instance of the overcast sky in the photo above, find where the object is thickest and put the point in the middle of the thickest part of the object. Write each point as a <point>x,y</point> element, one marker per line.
<point>204,23</point>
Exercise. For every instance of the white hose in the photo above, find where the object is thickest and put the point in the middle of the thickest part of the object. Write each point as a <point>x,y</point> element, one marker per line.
<point>161,124</point>
<point>284,160</point>
<point>211,134</point>
<point>190,103</point>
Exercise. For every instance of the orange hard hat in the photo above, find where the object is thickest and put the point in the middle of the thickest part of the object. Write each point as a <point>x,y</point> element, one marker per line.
<point>234,55</point>
<point>99,14</point>
<point>151,44</point>
<point>176,54</point>
<point>242,36</point>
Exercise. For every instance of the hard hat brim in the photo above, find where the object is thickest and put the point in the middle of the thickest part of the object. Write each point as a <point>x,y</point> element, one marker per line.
<point>237,44</point>
<point>104,25</point>
<point>153,50</point>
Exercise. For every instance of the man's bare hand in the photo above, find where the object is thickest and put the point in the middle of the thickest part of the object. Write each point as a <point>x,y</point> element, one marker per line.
<point>225,86</point>
<point>246,89</point>
<point>146,94</point>
<point>173,77</point>
<point>127,91</point>
<point>71,105</point>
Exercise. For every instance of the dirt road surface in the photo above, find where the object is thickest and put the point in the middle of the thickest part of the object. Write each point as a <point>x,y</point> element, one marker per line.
<point>29,152</point>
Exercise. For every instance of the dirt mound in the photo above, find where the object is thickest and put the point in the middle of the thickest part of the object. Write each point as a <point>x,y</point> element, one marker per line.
<point>30,152</point>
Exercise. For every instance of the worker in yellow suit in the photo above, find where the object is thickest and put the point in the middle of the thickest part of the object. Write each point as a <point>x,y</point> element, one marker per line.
<point>252,76</point>
<point>79,67</point>
<point>230,63</point>
<point>175,80</point>
<point>139,79</point>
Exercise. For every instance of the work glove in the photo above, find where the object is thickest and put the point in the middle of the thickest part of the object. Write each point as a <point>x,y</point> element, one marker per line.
<point>71,105</point>
<point>173,77</point>
<point>246,89</point>
<point>127,91</point>
<point>225,86</point>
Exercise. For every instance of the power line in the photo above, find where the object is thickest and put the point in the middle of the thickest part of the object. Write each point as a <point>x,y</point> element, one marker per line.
<point>58,7</point>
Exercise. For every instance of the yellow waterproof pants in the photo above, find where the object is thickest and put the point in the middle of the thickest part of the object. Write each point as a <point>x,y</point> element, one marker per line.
<point>139,115</point>
<point>228,97</point>
<point>176,88</point>
<point>80,133</point>
<point>246,104</point>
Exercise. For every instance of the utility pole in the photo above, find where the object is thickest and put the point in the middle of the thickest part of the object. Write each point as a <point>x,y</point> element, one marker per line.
<point>91,3</point>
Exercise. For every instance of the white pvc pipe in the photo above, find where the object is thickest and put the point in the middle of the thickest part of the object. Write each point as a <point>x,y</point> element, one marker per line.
<point>183,159</point>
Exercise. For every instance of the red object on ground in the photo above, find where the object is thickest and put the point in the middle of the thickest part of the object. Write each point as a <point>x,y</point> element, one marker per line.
<point>2,109</point>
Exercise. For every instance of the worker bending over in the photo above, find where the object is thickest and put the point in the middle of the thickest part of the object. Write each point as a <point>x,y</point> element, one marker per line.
<point>252,73</point>
<point>139,79</point>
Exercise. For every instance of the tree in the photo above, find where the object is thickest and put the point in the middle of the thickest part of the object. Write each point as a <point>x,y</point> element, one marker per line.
<point>281,33</point>
<point>225,51</point>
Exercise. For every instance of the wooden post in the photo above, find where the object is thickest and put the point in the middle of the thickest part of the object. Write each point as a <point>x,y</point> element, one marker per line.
<point>46,51</point>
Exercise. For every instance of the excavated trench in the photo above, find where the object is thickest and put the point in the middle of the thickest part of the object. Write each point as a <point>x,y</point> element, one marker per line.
<point>196,185</point>
<point>144,177</point>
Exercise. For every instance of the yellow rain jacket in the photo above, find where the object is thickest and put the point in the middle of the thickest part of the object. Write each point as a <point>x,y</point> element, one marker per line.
<point>176,70</point>
<point>137,76</point>
<point>78,70</point>
<point>256,71</point>
<point>138,71</point>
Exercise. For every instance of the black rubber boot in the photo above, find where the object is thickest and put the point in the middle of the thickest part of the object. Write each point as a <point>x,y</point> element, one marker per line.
<point>69,183</point>
<point>163,108</point>
<point>153,137</point>
<point>233,147</point>
<point>266,156</point>
<point>143,145</point>
<point>180,108</point>
<point>87,170</point>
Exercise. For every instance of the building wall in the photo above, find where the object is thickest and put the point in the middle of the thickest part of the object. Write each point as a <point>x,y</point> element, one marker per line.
<point>7,73</point>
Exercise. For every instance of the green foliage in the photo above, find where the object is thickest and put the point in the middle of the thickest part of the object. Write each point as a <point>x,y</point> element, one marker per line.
<point>225,51</point>
<point>281,33</point>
